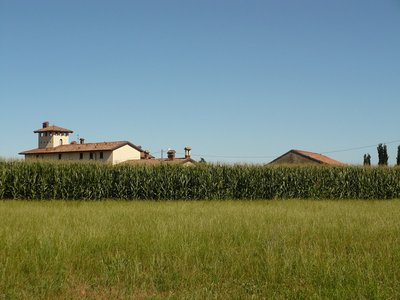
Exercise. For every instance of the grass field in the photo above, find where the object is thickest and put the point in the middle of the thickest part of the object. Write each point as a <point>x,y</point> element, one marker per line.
<point>200,250</point>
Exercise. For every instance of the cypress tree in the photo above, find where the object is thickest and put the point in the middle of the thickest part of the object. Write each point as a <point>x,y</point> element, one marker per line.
<point>367,159</point>
<point>385,156</point>
<point>398,155</point>
<point>380,154</point>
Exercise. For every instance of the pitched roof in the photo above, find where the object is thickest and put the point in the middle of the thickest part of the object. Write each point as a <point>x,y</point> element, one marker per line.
<point>175,161</point>
<point>53,129</point>
<point>319,157</point>
<point>104,146</point>
<point>314,156</point>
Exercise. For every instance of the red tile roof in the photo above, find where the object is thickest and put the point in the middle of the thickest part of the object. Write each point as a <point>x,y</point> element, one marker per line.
<point>175,161</point>
<point>53,129</point>
<point>105,146</point>
<point>318,157</point>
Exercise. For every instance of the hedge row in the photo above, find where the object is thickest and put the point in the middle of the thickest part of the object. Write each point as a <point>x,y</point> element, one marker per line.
<point>45,180</point>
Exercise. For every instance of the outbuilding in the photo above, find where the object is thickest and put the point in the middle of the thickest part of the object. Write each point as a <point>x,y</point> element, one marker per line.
<point>300,157</point>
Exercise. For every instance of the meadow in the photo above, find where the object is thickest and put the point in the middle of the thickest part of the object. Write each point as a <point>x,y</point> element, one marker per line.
<point>200,249</point>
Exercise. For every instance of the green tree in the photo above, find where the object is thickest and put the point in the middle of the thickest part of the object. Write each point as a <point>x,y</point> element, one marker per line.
<point>382,155</point>
<point>385,156</point>
<point>367,159</point>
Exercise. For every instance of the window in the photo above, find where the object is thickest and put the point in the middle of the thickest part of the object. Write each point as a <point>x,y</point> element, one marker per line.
<point>101,155</point>
<point>59,156</point>
<point>91,155</point>
<point>80,155</point>
<point>61,141</point>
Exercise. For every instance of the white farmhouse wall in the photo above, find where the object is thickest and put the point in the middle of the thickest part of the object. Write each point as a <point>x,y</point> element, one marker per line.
<point>107,156</point>
<point>124,153</point>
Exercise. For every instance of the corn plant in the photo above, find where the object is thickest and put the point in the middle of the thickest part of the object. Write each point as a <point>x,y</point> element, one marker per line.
<point>93,181</point>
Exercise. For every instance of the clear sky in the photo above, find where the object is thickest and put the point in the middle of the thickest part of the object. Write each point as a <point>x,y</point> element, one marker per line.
<point>238,81</point>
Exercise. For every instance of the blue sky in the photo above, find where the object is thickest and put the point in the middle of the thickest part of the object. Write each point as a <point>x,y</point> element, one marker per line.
<point>238,81</point>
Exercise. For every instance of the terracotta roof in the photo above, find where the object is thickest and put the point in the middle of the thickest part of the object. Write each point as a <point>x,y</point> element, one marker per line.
<point>53,129</point>
<point>105,146</point>
<point>176,161</point>
<point>319,157</point>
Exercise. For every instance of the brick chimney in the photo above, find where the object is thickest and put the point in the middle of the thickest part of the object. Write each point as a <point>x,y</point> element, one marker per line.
<point>45,124</point>
<point>81,140</point>
<point>171,154</point>
<point>187,152</point>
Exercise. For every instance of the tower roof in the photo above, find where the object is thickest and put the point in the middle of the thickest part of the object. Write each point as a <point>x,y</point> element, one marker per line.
<point>53,129</point>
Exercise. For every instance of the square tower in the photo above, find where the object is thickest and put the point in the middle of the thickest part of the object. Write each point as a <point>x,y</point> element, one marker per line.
<point>52,136</point>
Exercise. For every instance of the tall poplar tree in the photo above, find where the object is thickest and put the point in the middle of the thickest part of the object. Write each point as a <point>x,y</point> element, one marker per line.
<point>380,154</point>
<point>367,159</point>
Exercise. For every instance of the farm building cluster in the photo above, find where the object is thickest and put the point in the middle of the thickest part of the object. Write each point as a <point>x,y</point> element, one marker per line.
<point>53,144</point>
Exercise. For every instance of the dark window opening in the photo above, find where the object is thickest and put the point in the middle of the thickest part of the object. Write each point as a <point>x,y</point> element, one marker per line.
<point>101,155</point>
<point>91,155</point>
<point>80,155</point>
<point>59,156</point>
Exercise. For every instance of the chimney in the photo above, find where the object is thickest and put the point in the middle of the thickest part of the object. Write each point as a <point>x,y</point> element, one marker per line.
<point>81,140</point>
<point>187,152</point>
<point>146,154</point>
<point>45,124</point>
<point>171,154</point>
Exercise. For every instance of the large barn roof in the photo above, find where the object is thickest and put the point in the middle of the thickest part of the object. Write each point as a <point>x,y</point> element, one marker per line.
<point>316,157</point>
<point>319,157</point>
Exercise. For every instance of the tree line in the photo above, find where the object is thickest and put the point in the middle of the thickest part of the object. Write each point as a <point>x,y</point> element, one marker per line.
<point>383,156</point>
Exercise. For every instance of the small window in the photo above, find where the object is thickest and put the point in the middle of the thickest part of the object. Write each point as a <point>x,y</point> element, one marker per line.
<point>101,155</point>
<point>91,155</point>
<point>61,142</point>
<point>59,156</point>
<point>80,155</point>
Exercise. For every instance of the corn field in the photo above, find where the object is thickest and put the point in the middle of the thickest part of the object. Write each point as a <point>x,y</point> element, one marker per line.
<point>90,181</point>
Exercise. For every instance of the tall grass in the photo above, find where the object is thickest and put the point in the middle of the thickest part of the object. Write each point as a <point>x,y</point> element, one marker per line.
<point>293,249</point>
<point>22,180</point>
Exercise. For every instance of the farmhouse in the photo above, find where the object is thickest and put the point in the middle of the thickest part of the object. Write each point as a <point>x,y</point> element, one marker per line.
<point>171,159</point>
<point>298,157</point>
<point>53,143</point>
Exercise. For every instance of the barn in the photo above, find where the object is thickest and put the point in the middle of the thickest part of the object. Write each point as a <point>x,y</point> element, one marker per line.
<point>300,157</point>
